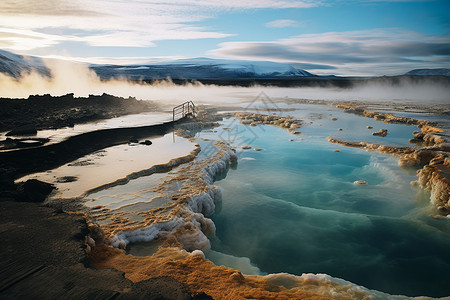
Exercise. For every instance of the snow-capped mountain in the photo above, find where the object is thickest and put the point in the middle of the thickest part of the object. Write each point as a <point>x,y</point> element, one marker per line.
<point>259,68</point>
<point>201,68</point>
<point>14,65</point>
<point>430,72</point>
<point>197,68</point>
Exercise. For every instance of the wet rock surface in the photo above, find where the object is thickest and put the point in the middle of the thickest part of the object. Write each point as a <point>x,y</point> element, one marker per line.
<point>381,132</point>
<point>23,130</point>
<point>18,143</point>
<point>255,119</point>
<point>435,177</point>
<point>29,191</point>
<point>426,139</point>
<point>43,257</point>
<point>393,119</point>
<point>360,182</point>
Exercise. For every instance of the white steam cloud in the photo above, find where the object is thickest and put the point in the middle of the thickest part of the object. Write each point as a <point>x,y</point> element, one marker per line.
<point>69,77</point>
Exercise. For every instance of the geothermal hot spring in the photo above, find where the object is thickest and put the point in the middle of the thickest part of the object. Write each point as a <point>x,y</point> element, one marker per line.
<point>289,206</point>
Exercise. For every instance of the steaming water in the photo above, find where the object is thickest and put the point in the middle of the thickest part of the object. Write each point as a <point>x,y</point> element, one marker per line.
<point>321,121</point>
<point>293,207</point>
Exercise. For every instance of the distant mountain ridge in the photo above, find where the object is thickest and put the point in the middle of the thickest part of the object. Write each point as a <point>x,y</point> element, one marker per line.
<point>201,68</point>
<point>430,72</point>
<point>14,65</point>
<point>197,68</point>
<point>205,69</point>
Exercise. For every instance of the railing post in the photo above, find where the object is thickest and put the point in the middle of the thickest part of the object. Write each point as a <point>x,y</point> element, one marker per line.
<point>185,109</point>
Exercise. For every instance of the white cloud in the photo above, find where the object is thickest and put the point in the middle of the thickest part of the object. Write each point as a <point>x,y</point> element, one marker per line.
<point>132,23</point>
<point>368,52</point>
<point>282,23</point>
<point>232,4</point>
<point>113,60</point>
<point>397,0</point>
<point>40,7</point>
<point>23,39</point>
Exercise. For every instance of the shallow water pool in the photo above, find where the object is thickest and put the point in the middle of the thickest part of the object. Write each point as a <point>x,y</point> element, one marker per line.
<point>113,166</point>
<point>134,120</point>
<point>293,207</point>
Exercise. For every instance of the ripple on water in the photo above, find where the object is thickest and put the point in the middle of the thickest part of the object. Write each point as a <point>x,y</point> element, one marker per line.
<point>294,208</point>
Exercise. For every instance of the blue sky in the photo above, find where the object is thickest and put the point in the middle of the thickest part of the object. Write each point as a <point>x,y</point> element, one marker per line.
<point>343,37</point>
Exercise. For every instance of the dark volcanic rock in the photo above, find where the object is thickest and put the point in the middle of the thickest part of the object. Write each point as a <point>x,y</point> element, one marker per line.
<point>157,288</point>
<point>46,111</point>
<point>18,143</point>
<point>23,130</point>
<point>34,190</point>
<point>43,257</point>
<point>146,142</point>
<point>202,296</point>
<point>66,179</point>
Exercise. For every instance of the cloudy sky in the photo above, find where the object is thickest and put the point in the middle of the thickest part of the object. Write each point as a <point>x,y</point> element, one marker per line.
<point>343,37</point>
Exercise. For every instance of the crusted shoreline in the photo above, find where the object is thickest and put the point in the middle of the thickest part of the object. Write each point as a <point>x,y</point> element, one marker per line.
<point>433,160</point>
<point>186,198</point>
<point>255,119</point>
<point>428,129</point>
<point>220,282</point>
<point>434,164</point>
<point>154,169</point>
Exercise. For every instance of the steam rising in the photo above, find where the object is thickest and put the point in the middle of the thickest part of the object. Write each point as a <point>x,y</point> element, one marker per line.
<point>69,77</point>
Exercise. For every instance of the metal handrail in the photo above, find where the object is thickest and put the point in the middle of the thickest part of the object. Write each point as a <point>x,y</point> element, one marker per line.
<point>185,109</point>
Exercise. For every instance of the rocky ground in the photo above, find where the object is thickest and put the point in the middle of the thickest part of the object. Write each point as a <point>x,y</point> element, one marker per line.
<point>44,257</point>
<point>45,111</point>
<point>44,250</point>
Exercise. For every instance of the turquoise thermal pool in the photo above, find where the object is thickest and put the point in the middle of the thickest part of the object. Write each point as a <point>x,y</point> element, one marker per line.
<point>293,206</point>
